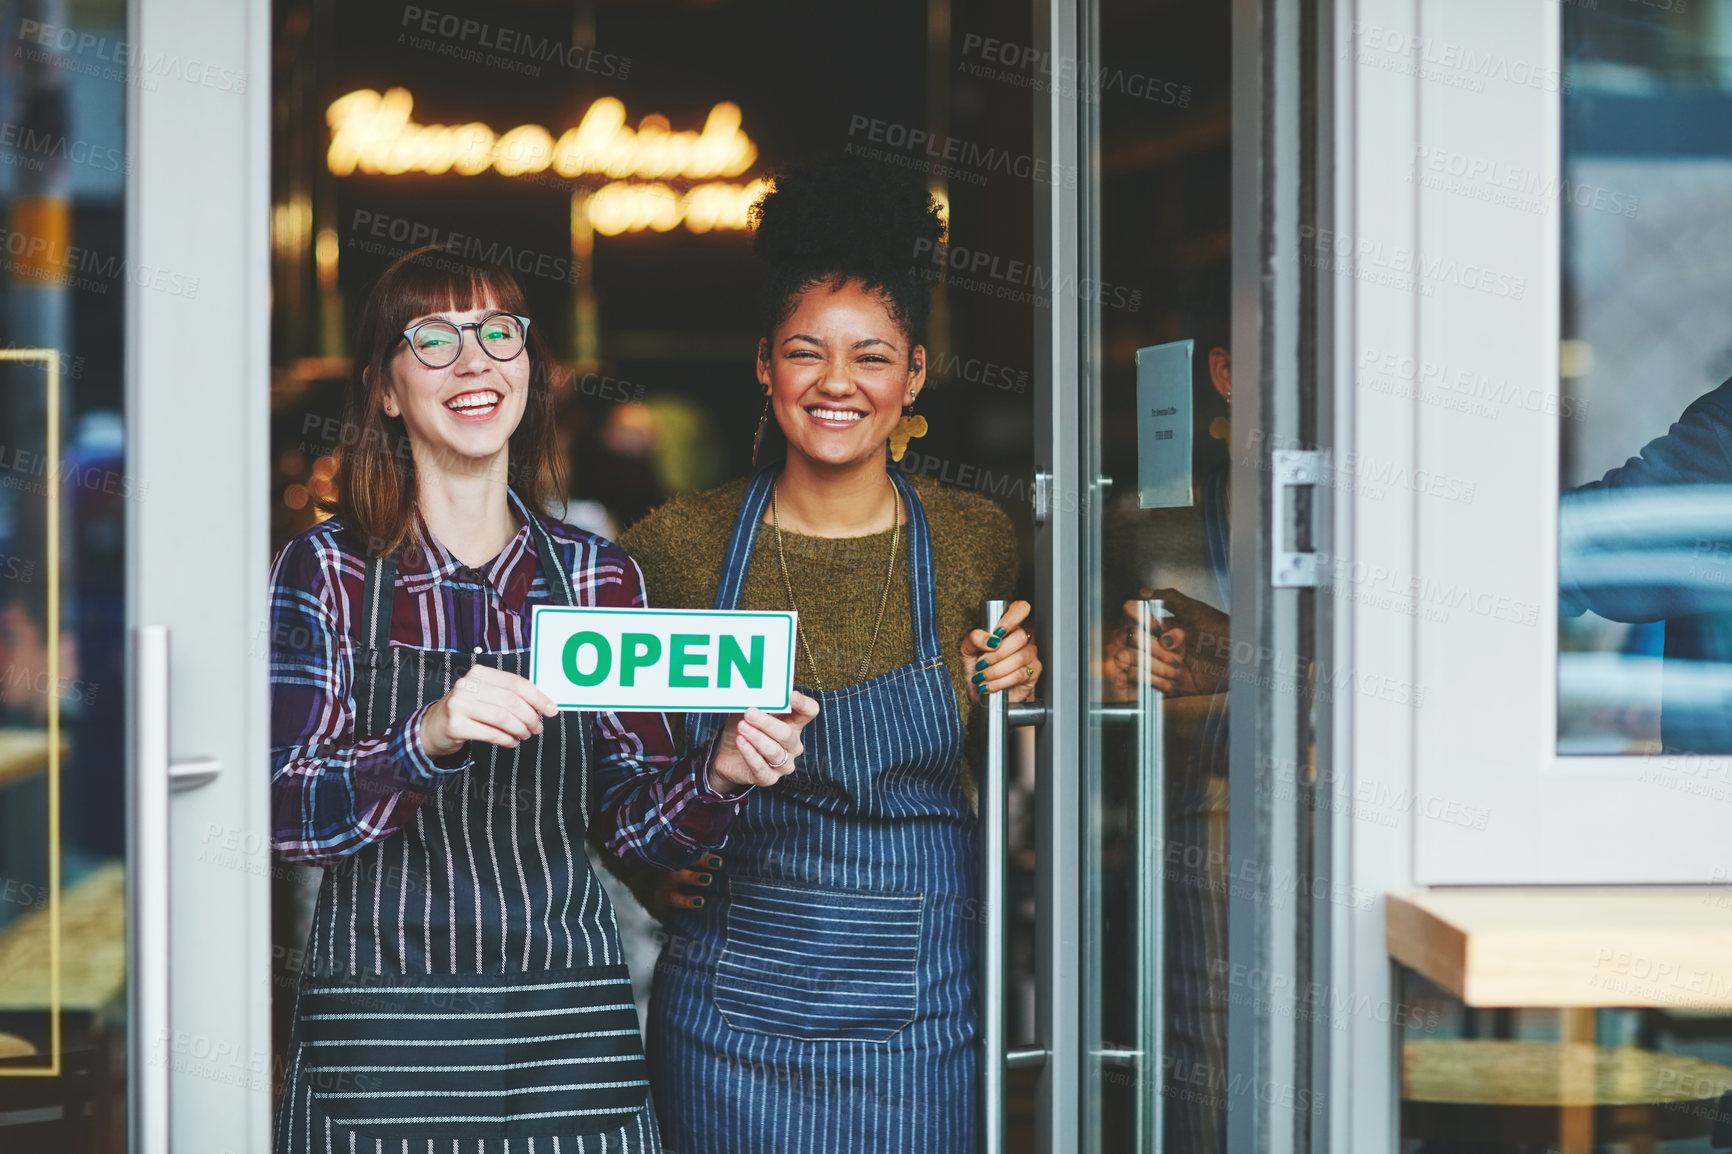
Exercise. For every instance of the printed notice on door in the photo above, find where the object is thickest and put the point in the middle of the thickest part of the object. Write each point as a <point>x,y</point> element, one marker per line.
<point>1164,426</point>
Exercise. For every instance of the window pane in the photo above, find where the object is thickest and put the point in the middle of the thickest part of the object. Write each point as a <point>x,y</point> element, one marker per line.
<point>1646,541</point>
<point>65,494</point>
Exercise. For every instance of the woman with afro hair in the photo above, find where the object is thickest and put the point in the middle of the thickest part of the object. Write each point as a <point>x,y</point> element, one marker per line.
<point>818,994</point>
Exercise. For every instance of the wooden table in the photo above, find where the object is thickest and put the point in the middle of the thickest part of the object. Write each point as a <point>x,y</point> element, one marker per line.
<point>1569,945</point>
<point>90,1091</point>
<point>1491,1091</point>
<point>92,949</point>
<point>23,753</point>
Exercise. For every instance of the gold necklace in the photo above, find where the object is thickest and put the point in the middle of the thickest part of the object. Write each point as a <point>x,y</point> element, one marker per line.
<point>883,600</point>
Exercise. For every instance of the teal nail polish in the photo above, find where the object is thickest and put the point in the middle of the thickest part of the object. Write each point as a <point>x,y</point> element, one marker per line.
<point>704,879</point>
<point>999,632</point>
<point>979,665</point>
<point>978,678</point>
<point>992,642</point>
<point>697,902</point>
<point>713,861</point>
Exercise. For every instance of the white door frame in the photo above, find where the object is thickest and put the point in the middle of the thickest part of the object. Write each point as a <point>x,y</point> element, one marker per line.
<point>1447,708</point>
<point>197,234</point>
<point>1375,116</point>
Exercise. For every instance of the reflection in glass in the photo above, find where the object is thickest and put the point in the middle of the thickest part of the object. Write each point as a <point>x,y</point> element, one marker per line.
<point>64,496</point>
<point>1646,544</point>
<point>1647,1078</point>
<point>1155,914</point>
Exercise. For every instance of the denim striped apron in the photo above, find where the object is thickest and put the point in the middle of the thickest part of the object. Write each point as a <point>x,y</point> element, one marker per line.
<point>823,1000</point>
<point>1197,998</point>
<point>464,989</point>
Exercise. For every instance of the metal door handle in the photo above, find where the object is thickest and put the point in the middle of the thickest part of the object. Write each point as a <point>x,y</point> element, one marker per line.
<point>997,1057</point>
<point>1148,921</point>
<point>155,775</point>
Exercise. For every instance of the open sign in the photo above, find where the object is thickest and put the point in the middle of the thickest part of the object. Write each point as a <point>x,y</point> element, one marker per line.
<point>684,660</point>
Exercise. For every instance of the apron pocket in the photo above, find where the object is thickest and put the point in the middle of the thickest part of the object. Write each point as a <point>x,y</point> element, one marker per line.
<point>524,1055</point>
<point>819,965</point>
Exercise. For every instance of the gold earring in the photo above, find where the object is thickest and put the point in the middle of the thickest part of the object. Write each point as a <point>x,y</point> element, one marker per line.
<point>909,427</point>
<point>763,427</point>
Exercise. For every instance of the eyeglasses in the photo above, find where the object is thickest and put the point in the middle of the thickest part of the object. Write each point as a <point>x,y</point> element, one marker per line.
<point>437,344</point>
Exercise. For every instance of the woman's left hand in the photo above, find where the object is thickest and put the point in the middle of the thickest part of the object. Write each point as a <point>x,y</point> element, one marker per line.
<point>1006,659</point>
<point>758,748</point>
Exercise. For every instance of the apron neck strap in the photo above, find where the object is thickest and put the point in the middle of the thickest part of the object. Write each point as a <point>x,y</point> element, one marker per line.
<point>700,727</point>
<point>1217,536</point>
<point>558,578</point>
<point>744,537</point>
<point>922,583</point>
<point>376,601</point>
<point>381,587</point>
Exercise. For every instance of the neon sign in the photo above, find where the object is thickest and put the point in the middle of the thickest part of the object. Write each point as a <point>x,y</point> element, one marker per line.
<point>375,133</point>
<point>627,207</point>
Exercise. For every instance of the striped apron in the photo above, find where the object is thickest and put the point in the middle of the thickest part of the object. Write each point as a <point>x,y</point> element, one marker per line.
<point>824,999</point>
<point>1197,999</point>
<point>465,990</point>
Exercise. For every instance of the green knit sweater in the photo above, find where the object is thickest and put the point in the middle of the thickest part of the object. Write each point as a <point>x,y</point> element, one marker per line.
<point>838,581</point>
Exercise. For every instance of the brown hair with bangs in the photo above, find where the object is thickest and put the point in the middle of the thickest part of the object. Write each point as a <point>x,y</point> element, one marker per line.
<point>375,479</point>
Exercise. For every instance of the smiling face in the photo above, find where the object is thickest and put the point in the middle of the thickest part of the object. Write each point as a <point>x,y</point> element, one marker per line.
<point>459,418</point>
<point>838,373</point>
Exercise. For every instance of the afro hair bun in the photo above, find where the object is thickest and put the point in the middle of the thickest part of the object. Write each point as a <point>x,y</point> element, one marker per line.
<point>844,219</point>
<point>847,212</point>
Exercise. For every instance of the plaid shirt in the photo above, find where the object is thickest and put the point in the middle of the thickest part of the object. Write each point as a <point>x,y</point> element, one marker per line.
<point>332,795</point>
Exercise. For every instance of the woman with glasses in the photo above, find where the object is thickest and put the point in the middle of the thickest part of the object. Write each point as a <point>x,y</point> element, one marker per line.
<point>819,996</point>
<point>464,986</point>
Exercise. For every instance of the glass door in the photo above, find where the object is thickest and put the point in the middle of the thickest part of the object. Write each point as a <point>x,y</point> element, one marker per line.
<point>1179,961</point>
<point>130,385</point>
<point>67,490</point>
<point>1155,246</point>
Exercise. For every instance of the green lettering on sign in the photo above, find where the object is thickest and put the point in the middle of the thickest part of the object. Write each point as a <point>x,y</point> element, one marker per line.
<point>641,650</point>
<point>603,658</point>
<point>730,658</point>
<point>679,660</point>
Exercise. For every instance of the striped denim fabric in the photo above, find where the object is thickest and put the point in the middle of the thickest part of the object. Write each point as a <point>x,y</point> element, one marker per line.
<point>819,964</point>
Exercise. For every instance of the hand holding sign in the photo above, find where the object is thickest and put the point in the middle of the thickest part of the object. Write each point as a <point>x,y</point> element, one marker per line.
<point>669,660</point>
<point>695,661</point>
<point>485,704</point>
<point>759,748</point>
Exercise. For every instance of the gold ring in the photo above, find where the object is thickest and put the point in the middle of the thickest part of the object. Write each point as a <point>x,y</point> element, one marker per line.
<point>1029,673</point>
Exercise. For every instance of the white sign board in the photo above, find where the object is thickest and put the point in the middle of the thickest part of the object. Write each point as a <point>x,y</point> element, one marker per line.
<point>667,660</point>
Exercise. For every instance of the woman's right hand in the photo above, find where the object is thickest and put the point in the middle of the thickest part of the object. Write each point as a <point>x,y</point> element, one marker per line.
<point>1176,665</point>
<point>759,748</point>
<point>485,704</point>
